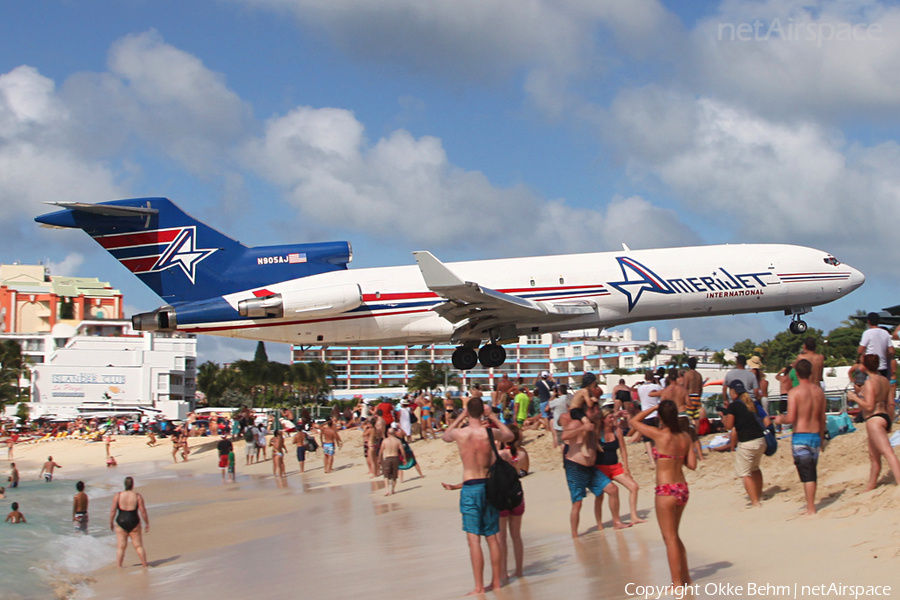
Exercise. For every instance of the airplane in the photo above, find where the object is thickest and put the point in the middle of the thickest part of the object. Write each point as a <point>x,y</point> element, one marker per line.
<point>304,294</point>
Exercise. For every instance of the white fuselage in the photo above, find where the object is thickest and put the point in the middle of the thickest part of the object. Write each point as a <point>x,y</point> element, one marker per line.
<point>626,286</point>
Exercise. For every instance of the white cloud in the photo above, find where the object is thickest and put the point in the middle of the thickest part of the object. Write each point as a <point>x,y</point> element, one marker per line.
<point>403,186</point>
<point>765,180</point>
<point>789,66</point>
<point>69,266</point>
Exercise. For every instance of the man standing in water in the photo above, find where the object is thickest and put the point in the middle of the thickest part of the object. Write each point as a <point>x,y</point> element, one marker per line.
<point>806,410</point>
<point>13,476</point>
<point>480,519</point>
<point>47,469</point>
<point>80,509</point>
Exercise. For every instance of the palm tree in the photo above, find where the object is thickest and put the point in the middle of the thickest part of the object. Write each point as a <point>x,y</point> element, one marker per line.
<point>13,366</point>
<point>427,377</point>
<point>719,357</point>
<point>207,376</point>
<point>651,351</point>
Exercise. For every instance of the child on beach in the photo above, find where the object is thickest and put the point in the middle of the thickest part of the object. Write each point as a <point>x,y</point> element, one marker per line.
<point>15,516</point>
<point>231,464</point>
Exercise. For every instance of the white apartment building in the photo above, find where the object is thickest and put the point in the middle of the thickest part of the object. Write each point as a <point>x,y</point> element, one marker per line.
<point>106,367</point>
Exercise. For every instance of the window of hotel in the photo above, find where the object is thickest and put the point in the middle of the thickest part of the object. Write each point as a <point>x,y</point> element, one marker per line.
<point>576,350</point>
<point>560,353</point>
<point>176,380</point>
<point>628,362</point>
<point>534,338</point>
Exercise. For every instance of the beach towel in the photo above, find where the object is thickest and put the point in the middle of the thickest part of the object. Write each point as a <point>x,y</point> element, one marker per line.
<point>895,439</point>
<point>719,441</point>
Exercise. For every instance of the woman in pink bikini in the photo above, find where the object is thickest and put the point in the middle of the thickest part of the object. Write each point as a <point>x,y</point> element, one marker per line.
<point>672,451</point>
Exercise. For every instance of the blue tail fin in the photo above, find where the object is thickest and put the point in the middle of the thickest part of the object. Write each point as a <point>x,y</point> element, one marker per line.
<point>183,260</point>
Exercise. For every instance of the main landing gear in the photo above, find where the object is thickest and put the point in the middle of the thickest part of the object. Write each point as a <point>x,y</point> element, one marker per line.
<point>798,325</point>
<point>490,356</point>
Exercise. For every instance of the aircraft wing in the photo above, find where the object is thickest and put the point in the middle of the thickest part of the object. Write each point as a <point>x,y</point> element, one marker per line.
<point>485,308</point>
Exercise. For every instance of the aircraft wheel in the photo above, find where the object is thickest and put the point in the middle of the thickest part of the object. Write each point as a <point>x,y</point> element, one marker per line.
<point>492,355</point>
<point>798,327</point>
<point>464,358</point>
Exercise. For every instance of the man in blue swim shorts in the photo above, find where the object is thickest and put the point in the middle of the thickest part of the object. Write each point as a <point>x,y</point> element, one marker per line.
<point>579,435</point>
<point>329,436</point>
<point>479,518</point>
<point>806,410</point>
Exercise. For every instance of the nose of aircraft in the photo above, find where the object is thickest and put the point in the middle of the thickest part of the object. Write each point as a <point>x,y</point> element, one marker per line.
<point>856,279</point>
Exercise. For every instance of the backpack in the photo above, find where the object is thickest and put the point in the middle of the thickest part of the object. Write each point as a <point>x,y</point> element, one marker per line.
<point>768,432</point>
<point>249,437</point>
<point>311,444</point>
<point>503,488</point>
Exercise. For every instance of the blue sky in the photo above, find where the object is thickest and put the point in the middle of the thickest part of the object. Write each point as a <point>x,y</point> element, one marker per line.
<point>408,125</point>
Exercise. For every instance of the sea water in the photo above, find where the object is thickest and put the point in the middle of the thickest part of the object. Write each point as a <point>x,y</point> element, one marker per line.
<point>46,557</point>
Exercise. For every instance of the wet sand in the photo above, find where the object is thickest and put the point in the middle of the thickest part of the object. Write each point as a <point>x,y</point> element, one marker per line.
<point>338,535</point>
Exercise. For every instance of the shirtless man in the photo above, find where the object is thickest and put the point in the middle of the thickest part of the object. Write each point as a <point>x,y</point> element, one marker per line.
<point>47,469</point>
<point>380,427</point>
<point>674,392</point>
<point>391,455</point>
<point>816,360</point>
<point>329,437</point>
<point>479,517</point>
<point>580,437</point>
<point>500,397</point>
<point>299,440</point>
<point>876,403</point>
<point>693,383</point>
<point>13,476</point>
<point>585,398</point>
<point>80,509</point>
<point>806,410</point>
<point>10,446</point>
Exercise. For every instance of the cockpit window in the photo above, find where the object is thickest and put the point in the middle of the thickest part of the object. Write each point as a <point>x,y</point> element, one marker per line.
<point>830,260</point>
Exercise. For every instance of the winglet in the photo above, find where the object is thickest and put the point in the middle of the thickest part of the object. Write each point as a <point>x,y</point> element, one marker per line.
<point>435,274</point>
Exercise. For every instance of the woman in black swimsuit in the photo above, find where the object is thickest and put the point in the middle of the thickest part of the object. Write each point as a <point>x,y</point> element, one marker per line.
<point>877,409</point>
<point>125,522</point>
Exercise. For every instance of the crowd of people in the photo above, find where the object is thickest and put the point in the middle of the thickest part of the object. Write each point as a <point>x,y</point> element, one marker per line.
<point>592,434</point>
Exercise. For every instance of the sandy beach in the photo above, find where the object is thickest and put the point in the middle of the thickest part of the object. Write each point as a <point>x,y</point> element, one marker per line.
<point>338,535</point>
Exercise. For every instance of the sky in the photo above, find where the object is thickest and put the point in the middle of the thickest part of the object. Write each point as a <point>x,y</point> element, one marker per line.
<point>473,129</point>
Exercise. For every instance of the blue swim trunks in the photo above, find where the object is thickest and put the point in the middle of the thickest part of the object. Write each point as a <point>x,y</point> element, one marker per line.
<point>582,479</point>
<point>478,516</point>
<point>805,448</point>
<point>328,449</point>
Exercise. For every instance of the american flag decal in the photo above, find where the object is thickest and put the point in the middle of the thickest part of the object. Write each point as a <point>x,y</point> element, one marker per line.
<point>296,257</point>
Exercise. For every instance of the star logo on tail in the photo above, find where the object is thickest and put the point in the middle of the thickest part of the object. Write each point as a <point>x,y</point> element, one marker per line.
<point>637,280</point>
<point>183,253</point>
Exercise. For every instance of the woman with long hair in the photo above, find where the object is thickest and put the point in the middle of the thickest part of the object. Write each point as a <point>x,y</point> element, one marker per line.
<point>511,520</point>
<point>672,450</point>
<point>741,415</point>
<point>611,443</point>
<point>125,521</point>
<point>277,443</point>
<point>876,401</point>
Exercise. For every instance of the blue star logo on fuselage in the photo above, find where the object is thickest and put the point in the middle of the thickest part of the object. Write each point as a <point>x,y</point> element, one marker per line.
<point>183,253</point>
<point>637,280</point>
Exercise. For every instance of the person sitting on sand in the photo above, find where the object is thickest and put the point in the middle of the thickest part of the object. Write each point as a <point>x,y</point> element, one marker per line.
<point>111,461</point>
<point>391,456</point>
<point>151,439</point>
<point>672,448</point>
<point>480,518</point>
<point>125,518</point>
<point>15,516</point>
<point>875,400</point>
